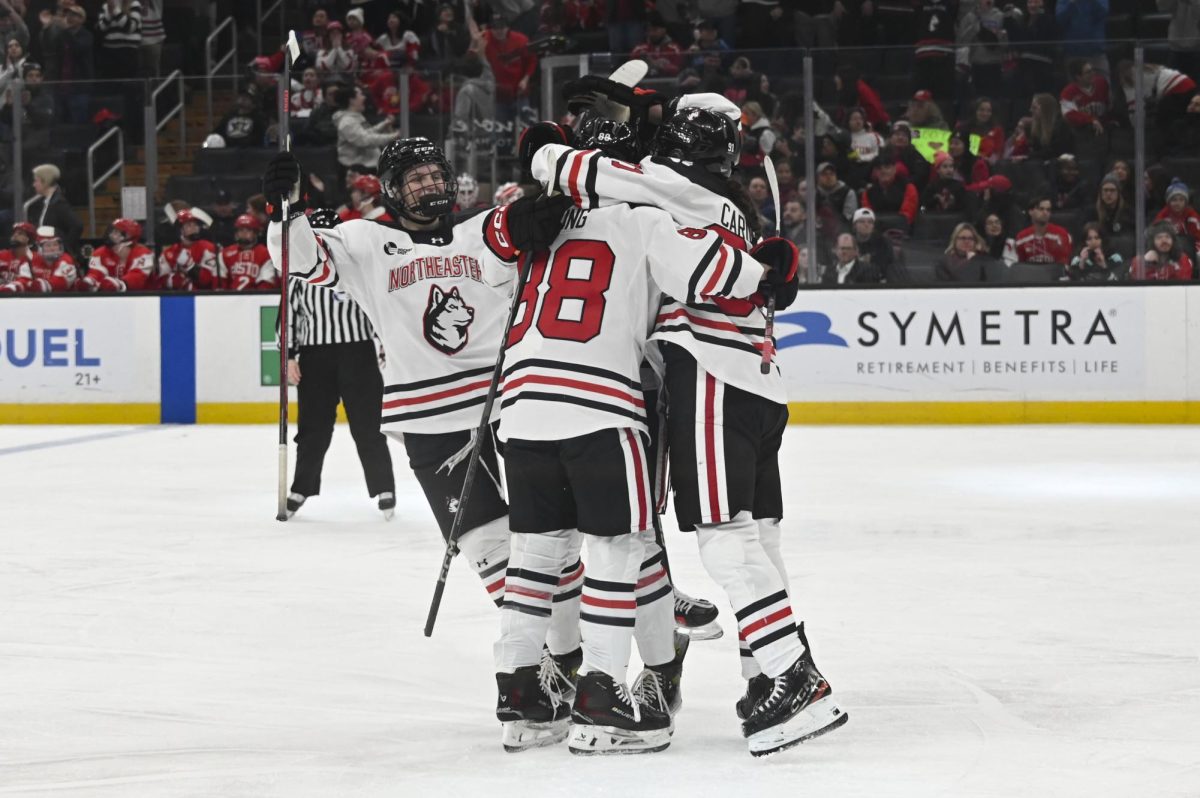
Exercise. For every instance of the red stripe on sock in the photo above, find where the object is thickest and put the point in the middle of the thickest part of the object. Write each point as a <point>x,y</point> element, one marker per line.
<point>751,628</point>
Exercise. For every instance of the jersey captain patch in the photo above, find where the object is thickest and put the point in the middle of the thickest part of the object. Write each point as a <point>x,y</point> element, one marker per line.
<point>446,320</point>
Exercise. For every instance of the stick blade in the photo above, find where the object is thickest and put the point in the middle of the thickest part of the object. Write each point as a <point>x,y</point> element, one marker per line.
<point>293,47</point>
<point>630,73</point>
<point>773,182</point>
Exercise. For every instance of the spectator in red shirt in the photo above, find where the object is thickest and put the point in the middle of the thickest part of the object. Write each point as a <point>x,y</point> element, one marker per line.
<point>1043,242</point>
<point>1165,260</point>
<point>1085,101</point>
<point>853,92</point>
<point>891,193</point>
<point>1179,213</point>
<point>659,51</point>
<point>513,65</point>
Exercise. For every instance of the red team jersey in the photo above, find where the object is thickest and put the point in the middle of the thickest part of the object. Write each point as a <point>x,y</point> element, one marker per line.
<point>14,271</point>
<point>134,273</point>
<point>58,276</point>
<point>246,269</point>
<point>1052,247</point>
<point>177,259</point>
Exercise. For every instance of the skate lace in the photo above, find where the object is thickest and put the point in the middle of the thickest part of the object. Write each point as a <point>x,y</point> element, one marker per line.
<point>550,679</point>
<point>647,690</point>
<point>778,692</point>
<point>683,603</point>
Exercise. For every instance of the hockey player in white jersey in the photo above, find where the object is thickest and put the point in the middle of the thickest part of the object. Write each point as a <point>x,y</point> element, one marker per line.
<point>422,283</point>
<point>574,425</point>
<point>726,418</point>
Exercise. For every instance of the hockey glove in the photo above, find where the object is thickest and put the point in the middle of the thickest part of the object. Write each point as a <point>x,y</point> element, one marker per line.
<point>534,223</point>
<point>324,219</point>
<point>599,93</point>
<point>782,259</point>
<point>533,138</point>
<point>283,178</point>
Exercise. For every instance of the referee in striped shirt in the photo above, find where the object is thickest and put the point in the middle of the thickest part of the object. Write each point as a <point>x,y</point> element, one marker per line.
<point>331,356</point>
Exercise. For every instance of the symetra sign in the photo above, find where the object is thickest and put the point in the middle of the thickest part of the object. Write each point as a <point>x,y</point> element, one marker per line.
<point>944,344</point>
<point>47,347</point>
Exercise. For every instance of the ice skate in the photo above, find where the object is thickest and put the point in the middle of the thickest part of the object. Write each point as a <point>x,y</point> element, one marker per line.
<point>563,671</point>
<point>606,719</point>
<point>757,688</point>
<point>387,505</point>
<point>294,502</point>
<point>799,707</point>
<point>664,679</point>
<point>533,714</point>
<point>697,618</point>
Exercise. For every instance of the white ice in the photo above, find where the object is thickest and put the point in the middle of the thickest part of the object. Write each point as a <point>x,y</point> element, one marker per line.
<point>1006,611</point>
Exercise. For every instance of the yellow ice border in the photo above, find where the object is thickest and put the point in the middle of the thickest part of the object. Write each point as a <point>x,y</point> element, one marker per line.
<point>811,413</point>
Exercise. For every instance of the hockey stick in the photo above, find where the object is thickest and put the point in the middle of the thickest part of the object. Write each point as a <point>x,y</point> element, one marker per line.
<point>476,451</point>
<point>292,52</point>
<point>769,329</point>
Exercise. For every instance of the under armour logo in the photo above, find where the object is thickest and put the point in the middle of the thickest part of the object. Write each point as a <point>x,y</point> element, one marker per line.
<point>437,240</point>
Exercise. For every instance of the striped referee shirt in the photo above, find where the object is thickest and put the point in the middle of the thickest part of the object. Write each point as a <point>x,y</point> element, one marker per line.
<point>318,316</point>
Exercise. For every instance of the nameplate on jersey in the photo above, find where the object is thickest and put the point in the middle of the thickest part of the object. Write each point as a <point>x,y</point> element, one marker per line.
<point>434,267</point>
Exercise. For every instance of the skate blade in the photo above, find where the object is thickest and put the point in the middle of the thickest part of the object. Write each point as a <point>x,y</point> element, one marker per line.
<point>588,740</point>
<point>822,717</point>
<point>521,735</point>
<point>388,515</point>
<point>709,631</point>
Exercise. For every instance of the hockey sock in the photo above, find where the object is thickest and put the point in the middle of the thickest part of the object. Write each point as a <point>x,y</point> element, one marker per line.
<point>535,563</point>
<point>563,637</point>
<point>609,604</point>
<point>734,557</point>
<point>654,628</point>
<point>486,549</point>
<point>770,536</point>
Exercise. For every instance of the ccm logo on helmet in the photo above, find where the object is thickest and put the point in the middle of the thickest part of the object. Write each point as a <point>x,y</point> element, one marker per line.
<point>392,248</point>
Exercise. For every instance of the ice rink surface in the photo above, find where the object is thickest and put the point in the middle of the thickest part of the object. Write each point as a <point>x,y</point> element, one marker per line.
<point>1005,611</point>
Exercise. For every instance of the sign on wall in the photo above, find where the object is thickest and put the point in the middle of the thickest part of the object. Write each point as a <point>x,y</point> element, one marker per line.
<point>79,352</point>
<point>985,344</point>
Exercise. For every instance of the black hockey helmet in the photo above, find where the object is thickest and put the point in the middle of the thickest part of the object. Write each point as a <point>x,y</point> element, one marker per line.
<point>397,160</point>
<point>615,139</point>
<point>702,136</point>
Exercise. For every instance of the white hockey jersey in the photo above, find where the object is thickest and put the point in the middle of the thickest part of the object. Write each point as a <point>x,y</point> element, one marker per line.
<point>439,318</point>
<point>725,337</point>
<point>575,350</point>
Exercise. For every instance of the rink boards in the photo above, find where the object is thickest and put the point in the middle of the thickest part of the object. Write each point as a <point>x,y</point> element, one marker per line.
<point>1121,354</point>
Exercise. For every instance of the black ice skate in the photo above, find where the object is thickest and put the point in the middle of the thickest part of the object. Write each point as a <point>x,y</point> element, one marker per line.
<point>697,618</point>
<point>799,707</point>
<point>758,688</point>
<point>563,671</point>
<point>606,719</point>
<point>657,686</point>
<point>387,504</point>
<point>294,502</point>
<point>532,712</point>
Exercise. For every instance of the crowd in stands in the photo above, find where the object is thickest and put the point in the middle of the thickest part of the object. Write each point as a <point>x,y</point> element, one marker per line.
<point>956,140</point>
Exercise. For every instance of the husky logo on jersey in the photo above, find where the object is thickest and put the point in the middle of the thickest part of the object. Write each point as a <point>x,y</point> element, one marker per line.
<point>392,248</point>
<point>447,318</point>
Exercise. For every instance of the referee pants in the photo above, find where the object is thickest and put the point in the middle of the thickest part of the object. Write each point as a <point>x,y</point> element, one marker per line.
<point>349,372</point>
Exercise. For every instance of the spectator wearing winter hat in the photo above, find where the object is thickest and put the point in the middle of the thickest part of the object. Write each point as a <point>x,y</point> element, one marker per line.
<point>1165,257</point>
<point>1069,190</point>
<point>904,152</point>
<point>946,192</point>
<point>357,37</point>
<point>891,193</point>
<point>1179,213</point>
<point>335,60</point>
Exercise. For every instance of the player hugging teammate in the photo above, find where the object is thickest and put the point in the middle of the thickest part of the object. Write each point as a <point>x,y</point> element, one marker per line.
<point>604,281</point>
